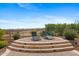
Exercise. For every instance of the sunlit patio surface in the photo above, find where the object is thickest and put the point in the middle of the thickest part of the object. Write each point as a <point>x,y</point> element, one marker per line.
<point>55,47</point>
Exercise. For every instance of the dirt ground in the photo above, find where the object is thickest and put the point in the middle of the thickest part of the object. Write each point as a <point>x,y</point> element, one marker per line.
<point>2,51</point>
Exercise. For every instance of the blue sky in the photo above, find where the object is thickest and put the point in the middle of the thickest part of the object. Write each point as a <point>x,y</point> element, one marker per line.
<point>36,15</point>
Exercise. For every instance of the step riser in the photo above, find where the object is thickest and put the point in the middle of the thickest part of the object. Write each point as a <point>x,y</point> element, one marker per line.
<point>40,51</point>
<point>40,47</point>
<point>41,43</point>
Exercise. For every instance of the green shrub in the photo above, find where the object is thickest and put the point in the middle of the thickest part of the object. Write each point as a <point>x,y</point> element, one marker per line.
<point>2,32</point>
<point>60,29</point>
<point>16,36</point>
<point>70,34</point>
<point>3,44</point>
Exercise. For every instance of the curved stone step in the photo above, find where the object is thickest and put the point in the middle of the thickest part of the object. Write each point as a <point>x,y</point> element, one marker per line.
<point>41,46</point>
<point>41,50</point>
<point>41,43</point>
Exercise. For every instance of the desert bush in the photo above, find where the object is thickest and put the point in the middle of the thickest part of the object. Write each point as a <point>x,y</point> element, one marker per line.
<point>2,32</point>
<point>60,29</point>
<point>50,27</point>
<point>56,28</point>
<point>3,44</point>
<point>42,33</point>
<point>16,36</point>
<point>77,28</point>
<point>70,34</point>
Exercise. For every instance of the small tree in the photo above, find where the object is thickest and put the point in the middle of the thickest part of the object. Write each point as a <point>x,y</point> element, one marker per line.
<point>2,32</point>
<point>16,36</point>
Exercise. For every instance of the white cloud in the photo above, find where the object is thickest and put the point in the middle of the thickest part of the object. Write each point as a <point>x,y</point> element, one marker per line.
<point>56,19</point>
<point>35,22</point>
<point>12,24</point>
<point>9,21</point>
<point>27,6</point>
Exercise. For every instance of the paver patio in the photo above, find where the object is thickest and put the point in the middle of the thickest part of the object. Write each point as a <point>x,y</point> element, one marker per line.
<point>64,53</point>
